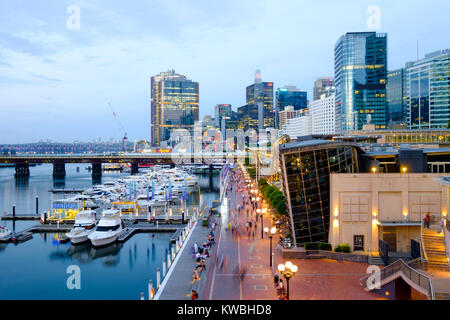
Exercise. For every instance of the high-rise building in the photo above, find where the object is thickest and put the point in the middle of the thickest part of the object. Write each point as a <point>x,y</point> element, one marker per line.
<point>299,126</point>
<point>221,110</point>
<point>289,96</point>
<point>323,114</point>
<point>321,86</point>
<point>259,97</point>
<point>174,105</point>
<point>428,95</point>
<point>396,96</point>
<point>289,112</point>
<point>360,60</point>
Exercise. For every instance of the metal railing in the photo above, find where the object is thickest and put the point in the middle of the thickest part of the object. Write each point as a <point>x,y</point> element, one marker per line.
<point>419,279</point>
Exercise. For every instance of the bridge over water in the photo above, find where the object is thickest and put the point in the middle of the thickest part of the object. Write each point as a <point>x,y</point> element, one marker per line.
<point>22,162</point>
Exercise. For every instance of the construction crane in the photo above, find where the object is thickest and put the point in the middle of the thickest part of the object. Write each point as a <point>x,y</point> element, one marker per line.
<point>122,131</point>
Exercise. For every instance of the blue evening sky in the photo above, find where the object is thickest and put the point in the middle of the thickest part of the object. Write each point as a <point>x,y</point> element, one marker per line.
<point>56,82</point>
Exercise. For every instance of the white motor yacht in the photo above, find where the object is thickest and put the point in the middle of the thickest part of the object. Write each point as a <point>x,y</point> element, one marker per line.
<point>108,229</point>
<point>84,225</point>
<point>4,233</point>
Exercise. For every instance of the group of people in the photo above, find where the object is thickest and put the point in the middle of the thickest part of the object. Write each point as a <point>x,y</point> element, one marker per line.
<point>279,286</point>
<point>200,254</point>
<point>239,194</point>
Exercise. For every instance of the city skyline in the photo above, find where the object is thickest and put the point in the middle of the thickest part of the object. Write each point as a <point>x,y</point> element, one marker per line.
<point>50,72</point>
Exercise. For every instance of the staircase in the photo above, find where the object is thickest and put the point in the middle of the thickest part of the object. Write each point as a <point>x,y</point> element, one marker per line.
<point>434,247</point>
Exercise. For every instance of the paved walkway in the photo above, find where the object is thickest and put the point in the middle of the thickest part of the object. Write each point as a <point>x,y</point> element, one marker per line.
<point>179,285</point>
<point>249,253</point>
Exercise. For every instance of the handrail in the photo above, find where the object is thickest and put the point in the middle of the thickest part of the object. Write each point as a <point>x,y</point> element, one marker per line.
<point>422,249</point>
<point>410,273</point>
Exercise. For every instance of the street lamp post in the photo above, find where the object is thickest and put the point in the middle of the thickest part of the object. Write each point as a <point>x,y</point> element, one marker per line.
<point>287,270</point>
<point>272,232</point>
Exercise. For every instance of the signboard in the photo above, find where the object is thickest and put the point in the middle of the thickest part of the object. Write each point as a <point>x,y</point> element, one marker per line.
<point>65,205</point>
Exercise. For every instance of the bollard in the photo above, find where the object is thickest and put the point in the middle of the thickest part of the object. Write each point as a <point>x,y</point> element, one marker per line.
<point>176,245</point>
<point>14,212</point>
<point>150,290</point>
<point>169,262</point>
<point>158,278</point>
<point>142,296</point>
<point>157,224</point>
<point>37,205</point>
<point>173,253</point>
<point>164,268</point>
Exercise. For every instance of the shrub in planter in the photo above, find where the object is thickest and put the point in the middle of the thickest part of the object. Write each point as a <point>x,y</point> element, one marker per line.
<point>311,246</point>
<point>325,246</point>
<point>343,248</point>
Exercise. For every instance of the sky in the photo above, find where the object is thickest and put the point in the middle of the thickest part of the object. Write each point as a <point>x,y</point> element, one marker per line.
<point>63,74</point>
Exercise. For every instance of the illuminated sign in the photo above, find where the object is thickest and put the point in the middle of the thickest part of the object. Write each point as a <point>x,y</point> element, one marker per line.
<point>65,205</point>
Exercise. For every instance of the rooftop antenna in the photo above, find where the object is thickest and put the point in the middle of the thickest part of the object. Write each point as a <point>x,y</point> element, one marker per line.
<point>417,49</point>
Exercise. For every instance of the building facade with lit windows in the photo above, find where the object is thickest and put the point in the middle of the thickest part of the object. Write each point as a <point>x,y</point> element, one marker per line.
<point>220,111</point>
<point>360,80</point>
<point>259,97</point>
<point>174,105</point>
<point>396,96</point>
<point>428,94</point>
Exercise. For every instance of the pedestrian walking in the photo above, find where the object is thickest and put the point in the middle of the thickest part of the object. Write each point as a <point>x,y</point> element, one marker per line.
<point>427,220</point>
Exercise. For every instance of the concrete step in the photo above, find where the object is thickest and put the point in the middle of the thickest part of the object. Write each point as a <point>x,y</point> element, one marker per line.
<point>441,296</point>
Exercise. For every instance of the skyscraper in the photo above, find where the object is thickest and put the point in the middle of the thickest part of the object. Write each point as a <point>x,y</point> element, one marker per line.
<point>220,111</point>
<point>428,97</point>
<point>396,96</point>
<point>322,85</point>
<point>259,98</point>
<point>323,113</point>
<point>360,60</point>
<point>174,105</point>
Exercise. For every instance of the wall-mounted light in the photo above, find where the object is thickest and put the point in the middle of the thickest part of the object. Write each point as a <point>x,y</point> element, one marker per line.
<point>336,223</point>
<point>374,170</point>
<point>404,169</point>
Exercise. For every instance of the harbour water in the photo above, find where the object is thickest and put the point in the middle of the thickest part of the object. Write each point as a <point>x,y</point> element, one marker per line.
<point>38,268</point>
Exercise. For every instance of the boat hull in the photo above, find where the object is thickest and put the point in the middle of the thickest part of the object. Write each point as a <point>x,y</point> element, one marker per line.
<point>104,240</point>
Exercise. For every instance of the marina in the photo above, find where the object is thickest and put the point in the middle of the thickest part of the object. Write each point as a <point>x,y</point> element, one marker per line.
<point>132,260</point>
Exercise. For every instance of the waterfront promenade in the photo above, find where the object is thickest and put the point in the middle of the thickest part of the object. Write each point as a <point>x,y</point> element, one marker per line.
<point>247,275</point>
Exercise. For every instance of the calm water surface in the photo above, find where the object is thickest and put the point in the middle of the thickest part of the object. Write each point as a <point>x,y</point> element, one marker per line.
<point>37,269</point>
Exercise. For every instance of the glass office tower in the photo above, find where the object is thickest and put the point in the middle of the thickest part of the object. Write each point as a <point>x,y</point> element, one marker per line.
<point>396,96</point>
<point>428,96</point>
<point>360,80</point>
<point>305,171</point>
<point>259,98</point>
<point>220,111</point>
<point>174,105</point>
